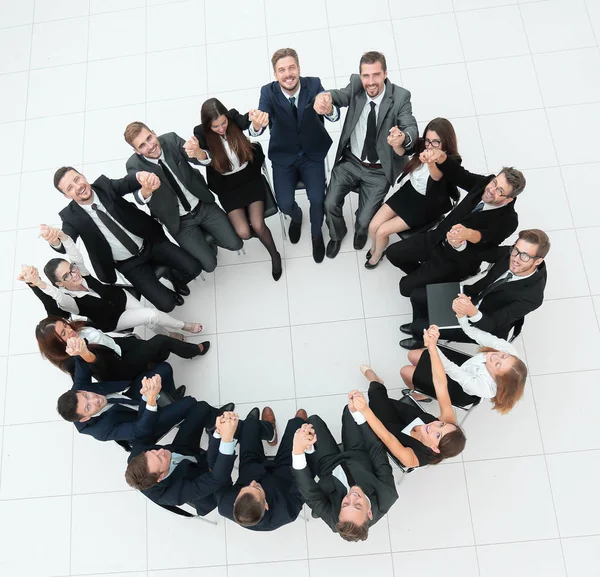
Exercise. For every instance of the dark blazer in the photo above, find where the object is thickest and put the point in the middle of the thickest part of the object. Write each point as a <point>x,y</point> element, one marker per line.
<point>283,497</point>
<point>190,482</point>
<point>76,223</point>
<point>494,225</point>
<point>509,302</point>
<point>289,135</point>
<point>395,110</point>
<point>371,472</point>
<point>163,204</point>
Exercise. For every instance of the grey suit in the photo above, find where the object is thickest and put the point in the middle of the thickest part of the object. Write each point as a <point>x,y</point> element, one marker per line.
<point>349,173</point>
<point>188,230</point>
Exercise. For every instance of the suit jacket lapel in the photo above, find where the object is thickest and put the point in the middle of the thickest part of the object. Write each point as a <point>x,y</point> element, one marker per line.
<point>386,102</point>
<point>282,100</point>
<point>302,99</point>
<point>361,100</point>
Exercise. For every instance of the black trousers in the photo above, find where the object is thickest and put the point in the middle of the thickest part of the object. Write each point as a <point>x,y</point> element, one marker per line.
<point>420,322</point>
<point>200,416</point>
<point>427,263</point>
<point>139,271</point>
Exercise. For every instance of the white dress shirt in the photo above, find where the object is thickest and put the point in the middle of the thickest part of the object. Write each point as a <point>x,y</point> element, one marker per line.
<point>125,398</point>
<point>119,252</point>
<point>99,338</point>
<point>193,200</point>
<point>357,138</point>
<point>473,375</point>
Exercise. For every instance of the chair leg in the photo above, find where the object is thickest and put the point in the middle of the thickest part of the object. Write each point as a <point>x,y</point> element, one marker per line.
<point>242,251</point>
<point>205,520</point>
<point>202,277</point>
<point>285,237</point>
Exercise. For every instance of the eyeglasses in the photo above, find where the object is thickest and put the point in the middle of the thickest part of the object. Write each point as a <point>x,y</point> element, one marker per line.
<point>434,143</point>
<point>497,188</point>
<point>69,276</point>
<point>522,255</point>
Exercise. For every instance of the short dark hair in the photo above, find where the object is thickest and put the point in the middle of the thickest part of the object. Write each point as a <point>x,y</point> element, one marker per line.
<point>58,175</point>
<point>132,130</point>
<point>67,406</point>
<point>50,269</point>
<point>351,531</point>
<point>248,510</point>
<point>284,53</point>
<point>137,474</point>
<point>537,237</point>
<point>515,178</point>
<point>371,58</point>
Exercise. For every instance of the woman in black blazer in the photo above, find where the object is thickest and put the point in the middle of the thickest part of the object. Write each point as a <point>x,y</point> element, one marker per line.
<point>424,195</point>
<point>234,173</point>
<point>110,359</point>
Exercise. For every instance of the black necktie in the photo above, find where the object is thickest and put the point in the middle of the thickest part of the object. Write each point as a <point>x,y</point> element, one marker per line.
<point>369,149</point>
<point>478,208</point>
<point>349,476</point>
<point>294,107</point>
<point>123,402</point>
<point>119,233</point>
<point>176,188</point>
<point>491,287</point>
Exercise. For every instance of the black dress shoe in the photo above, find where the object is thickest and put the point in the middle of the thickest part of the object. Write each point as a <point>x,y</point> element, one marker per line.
<point>253,414</point>
<point>318,249</point>
<point>412,344</point>
<point>295,230</point>
<point>181,288</point>
<point>179,393</point>
<point>333,247</point>
<point>368,255</point>
<point>276,269</point>
<point>359,241</point>
<point>205,347</point>
<point>405,328</point>
<point>178,299</point>
<point>226,408</point>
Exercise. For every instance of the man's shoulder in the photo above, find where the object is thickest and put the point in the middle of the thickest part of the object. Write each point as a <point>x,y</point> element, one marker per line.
<point>134,160</point>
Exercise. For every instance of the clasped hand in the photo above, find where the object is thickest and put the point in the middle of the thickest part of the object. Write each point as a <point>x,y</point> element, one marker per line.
<point>304,438</point>
<point>149,181</point>
<point>396,137</point>
<point>323,103</point>
<point>76,347</point>
<point>226,425</point>
<point>357,402</point>
<point>258,118</point>
<point>462,306</point>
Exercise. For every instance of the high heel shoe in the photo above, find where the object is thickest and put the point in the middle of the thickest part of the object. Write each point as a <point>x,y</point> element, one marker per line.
<point>276,269</point>
<point>370,266</point>
<point>365,368</point>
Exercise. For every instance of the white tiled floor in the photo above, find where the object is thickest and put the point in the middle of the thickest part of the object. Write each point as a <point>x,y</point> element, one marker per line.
<point>520,81</point>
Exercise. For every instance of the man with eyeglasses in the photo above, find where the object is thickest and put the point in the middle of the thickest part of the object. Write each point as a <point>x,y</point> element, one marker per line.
<point>455,249</point>
<point>512,288</point>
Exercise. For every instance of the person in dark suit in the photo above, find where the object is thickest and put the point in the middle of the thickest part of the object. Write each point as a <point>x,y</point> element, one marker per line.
<point>356,486</point>
<point>298,145</point>
<point>265,496</point>
<point>183,202</point>
<point>512,288</point>
<point>120,237</point>
<point>178,473</point>
<point>116,411</point>
<point>234,170</point>
<point>456,248</point>
<point>365,161</point>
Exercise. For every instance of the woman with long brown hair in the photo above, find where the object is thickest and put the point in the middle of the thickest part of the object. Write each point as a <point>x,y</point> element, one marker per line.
<point>496,372</point>
<point>423,194</point>
<point>234,173</point>
<point>110,359</point>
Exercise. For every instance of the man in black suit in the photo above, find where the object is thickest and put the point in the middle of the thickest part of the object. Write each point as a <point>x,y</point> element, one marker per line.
<point>265,496</point>
<point>365,160</point>
<point>356,486</point>
<point>119,236</point>
<point>116,411</point>
<point>512,288</point>
<point>456,248</point>
<point>183,201</point>
<point>298,145</point>
<point>179,473</point>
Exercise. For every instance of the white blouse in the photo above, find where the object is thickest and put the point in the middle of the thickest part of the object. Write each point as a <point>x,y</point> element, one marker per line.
<point>418,178</point>
<point>99,338</point>
<point>473,375</point>
<point>233,158</point>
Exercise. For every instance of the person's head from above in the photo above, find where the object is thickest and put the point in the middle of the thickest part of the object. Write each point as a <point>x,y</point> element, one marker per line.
<point>373,72</point>
<point>79,406</point>
<point>52,334</point>
<point>250,505</point>
<point>73,185</point>
<point>286,68</point>
<point>529,251</point>
<point>355,515</point>
<point>444,439</point>
<point>148,468</point>
<point>504,187</point>
<point>510,375</point>
<point>143,140</point>
<point>62,273</point>
<point>217,124</point>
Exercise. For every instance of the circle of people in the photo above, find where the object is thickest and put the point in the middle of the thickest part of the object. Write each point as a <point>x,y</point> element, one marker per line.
<point>133,399</point>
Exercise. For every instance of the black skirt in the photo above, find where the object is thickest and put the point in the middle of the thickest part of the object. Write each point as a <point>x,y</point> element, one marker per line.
<point>409,205</point>
<point>423,380</point>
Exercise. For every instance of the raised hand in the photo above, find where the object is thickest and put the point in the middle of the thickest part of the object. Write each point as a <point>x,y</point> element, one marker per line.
<point>258,118</point>
<point>304,438</point>
<point>433,155</point>
<point>462,306</point>
<point>52,235</point>
<point>151,386</point>
<point>458,234</point>
<point>76,347</point>
<point>149,181</point>
<point>431,336</point>
<point>358,400</point>
<point>192,147</point>
<point>29,274</point>
<point>396,137</point>
<point>228,425</point>
<point>323,103</point>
